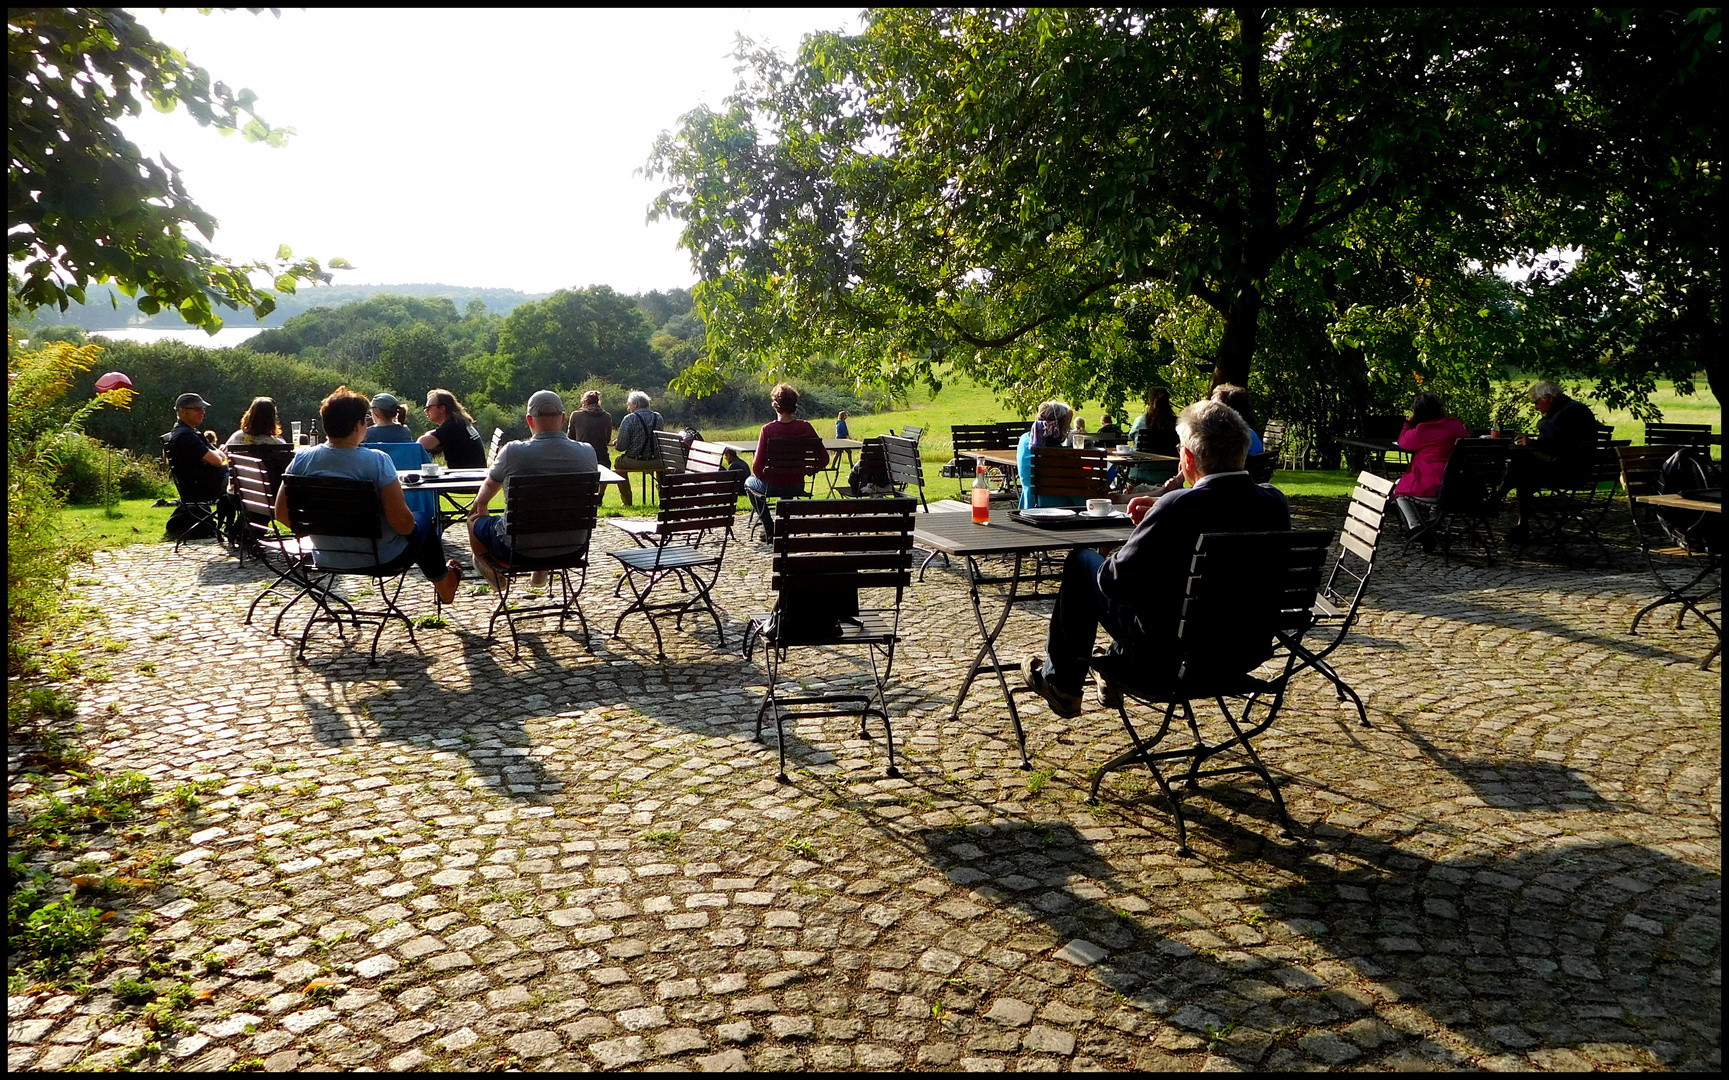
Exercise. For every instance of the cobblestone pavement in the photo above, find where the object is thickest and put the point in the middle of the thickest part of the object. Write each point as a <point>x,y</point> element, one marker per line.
<point>583,860</point>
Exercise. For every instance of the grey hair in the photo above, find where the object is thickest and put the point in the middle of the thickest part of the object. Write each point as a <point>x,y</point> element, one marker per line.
<point>1546,389</point>
<point>636,400</point>
<point>1057,417</point>
<point>1216,435</point>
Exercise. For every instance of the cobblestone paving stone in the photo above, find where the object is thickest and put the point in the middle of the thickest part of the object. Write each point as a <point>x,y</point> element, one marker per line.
<point>583,860</point>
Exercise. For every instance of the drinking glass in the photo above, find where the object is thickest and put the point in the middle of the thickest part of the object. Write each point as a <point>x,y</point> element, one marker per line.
<point>296,426</point>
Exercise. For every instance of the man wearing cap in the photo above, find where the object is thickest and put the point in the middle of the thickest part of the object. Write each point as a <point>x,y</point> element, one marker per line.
<point>547,451</point>
<point>200,470</point>
<point>389,421</point>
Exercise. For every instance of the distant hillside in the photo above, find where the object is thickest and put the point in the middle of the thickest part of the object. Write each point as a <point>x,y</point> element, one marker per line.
<point>99,314</point>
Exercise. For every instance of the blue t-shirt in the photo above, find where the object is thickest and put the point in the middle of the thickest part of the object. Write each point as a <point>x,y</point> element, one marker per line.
<point>1024,463</point>
<point>389,433</point>
<point>359,463</point>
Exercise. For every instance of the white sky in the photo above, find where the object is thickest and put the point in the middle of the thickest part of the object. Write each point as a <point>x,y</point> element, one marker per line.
<point>484,148</point>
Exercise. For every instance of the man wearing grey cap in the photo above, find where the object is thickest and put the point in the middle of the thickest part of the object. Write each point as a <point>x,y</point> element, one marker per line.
<point>200,471</point>
<point>547,451</point>
<point>389,421</point>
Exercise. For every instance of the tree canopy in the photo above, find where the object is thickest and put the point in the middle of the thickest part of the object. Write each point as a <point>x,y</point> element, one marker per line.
<point>1039,197</point>
<point>84,205</point>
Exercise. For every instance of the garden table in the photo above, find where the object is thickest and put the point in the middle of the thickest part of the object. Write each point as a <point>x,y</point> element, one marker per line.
<point>953,533</point>
<point>451,485</point>
<point>1709,506</point>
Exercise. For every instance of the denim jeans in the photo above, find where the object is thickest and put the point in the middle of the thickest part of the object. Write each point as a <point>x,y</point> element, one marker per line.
<point>760,493</point>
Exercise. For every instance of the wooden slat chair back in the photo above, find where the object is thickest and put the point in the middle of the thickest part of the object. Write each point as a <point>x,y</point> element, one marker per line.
<point>1674,435</point>
<point>1339,598</point>
<point>692,505</point>
<point>1244,592</point>
<point>905,470</point>
<point>825,552</point>
<point>802,455</point>
<point>536,505</point>
<point>497,441</point>
<point>1059,472</point>
<point>1273,436</point>
<point>1682,548</point>
<point>908,431</point>
<point>1261,466</point>
<point>328,506</point>
<point>671,449</point>
<point>968,438</point>
<point>1573,509</point>
<point>703,457</point>
<point>256,477</point>
<point>1465,507</point>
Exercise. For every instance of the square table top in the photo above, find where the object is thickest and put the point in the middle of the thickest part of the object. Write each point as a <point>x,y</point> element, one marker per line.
<point>458,481</point>
<point>953,533</point>
<point>1681,502</point>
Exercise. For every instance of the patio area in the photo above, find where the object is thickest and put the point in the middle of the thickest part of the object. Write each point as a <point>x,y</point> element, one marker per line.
<point>582,859</point>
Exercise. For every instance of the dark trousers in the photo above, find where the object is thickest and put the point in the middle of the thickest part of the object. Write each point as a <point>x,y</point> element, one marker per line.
<point>760,493</point>
<point>1080,610</point>
<point>1530,473</point>
<point>425,547</point>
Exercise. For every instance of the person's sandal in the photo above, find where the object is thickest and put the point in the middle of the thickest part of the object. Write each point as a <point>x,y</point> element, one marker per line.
<point>445,587</point>
<point>1067,706</point>
<point>1108,696</point>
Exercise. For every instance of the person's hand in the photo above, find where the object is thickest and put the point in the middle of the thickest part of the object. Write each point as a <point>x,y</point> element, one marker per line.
<point>1139,505</point>
<point>1522,440</point>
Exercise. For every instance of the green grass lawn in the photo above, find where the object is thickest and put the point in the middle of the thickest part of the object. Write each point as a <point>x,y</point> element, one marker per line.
<point>134,521</point>
<point>1698,408</point>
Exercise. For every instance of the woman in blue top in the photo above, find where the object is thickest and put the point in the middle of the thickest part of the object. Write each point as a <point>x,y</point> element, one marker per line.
<point>1050,429</point>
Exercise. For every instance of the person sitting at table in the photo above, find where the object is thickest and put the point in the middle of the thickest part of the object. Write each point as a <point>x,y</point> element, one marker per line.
<point>548,450</point>
<point>1162,422</point>
<point>636,449</point>
<point>407,537</point>
<point>765,483</point>
<point>1238,398</point>
<point>1050,428</point>
<point>389,421</point>
<point>1429,434</point>
<point>1566,434</point>
<point>260,426</point>
<point>199,470</point>
<point>455,434</point>
<point>1136,594</point>
<point>1108,431</point>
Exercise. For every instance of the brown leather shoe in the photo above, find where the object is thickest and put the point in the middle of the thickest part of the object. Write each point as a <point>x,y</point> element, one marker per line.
<point>1068,706</point>
<point>445,587</point>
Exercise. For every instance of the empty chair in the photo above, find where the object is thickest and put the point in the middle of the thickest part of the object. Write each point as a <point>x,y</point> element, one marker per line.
<point>691,504</point>
<point>974,437</point>
<point>1245,591</point>
<point>1336,603</point>
<point>1660,434</point>
<point>906,472</point>
<point>1683,548</point>
<point>1260,466</point>
<point>825,552</point>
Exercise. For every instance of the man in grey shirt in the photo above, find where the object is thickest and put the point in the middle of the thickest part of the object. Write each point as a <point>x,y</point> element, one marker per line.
<point>548,451</point>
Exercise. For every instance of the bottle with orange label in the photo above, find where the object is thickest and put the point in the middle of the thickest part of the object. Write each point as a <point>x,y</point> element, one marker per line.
<point>981,498</point>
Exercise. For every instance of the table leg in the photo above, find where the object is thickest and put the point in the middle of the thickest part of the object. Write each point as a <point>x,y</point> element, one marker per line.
<point>989,648</point>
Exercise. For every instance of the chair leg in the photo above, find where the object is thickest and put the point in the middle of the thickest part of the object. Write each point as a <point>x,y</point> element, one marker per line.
<point>1258,765</point>
<point>893,771</point>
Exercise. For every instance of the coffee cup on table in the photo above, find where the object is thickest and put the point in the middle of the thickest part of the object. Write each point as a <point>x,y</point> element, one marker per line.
<point>432,468</point>
<point>1099,508</point>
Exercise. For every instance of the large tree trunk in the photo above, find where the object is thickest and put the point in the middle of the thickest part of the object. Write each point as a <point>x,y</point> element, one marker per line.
<point>1237,347</point>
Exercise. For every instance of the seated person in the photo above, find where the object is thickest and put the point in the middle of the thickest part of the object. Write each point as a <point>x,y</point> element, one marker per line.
<point>1429,434</point>
<point>547,451</point>
<point>455,434</point>
<point>1162,422</point>
<point>260,426</point>
<point>390,421</point>
<point>1136,594</point>
<point>637,451</point>
<point>765,483</point>
<point>592,424</point>
<point>1050,428</point>
<point>1238,398</point>
<point>407,537</point>
<point>200,471</point>
<point>1108,431</point>
<point>1566,434</point>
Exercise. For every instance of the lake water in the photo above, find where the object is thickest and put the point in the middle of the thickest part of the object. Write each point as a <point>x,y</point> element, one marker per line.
<point>222,339</point>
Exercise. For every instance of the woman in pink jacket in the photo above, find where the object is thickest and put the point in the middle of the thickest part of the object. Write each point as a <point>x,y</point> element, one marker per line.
<point>1429,434</point>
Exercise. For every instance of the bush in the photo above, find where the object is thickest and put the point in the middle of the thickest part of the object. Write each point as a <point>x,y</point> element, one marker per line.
<point>89,471</point>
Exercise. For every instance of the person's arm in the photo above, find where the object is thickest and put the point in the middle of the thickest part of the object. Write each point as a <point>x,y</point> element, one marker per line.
<point>215,457</point>
<point>430,441</point>
<point>396,509</point>
<point>756,462</point>
<point>282,505</point>
<point>488,489</point>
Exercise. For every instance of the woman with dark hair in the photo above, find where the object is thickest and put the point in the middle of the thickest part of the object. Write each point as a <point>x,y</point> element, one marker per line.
<point>455,433</point>
<point>1162,422</point>
<point>764,483</point>
<point>259,426</point>
<point>1429,434</point>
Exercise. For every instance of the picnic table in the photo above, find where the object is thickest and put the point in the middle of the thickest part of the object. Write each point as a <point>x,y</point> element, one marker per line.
<point>835,448</point>
<point>954,534</point>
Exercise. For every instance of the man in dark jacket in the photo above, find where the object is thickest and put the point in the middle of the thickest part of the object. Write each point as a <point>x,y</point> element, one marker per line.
<point>1137,593</point>
<point>1566,435</point>
<point>200,471</point>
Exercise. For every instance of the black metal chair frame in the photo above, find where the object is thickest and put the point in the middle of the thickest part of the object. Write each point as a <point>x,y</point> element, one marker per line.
<point>824,544</point>
<point>1574,509</point>
<point>785,456</point>
<point>691,504</point>
<point>1241,586</point>
<point>1641,475</point>
<point>558,502</point>
<point>1339,598</point>
<point>1467,503</point>
<point>1260,466</point>
<point>905,470</point>
<point>282,553</point>
<point>328,506</point>
<point>203,511</point>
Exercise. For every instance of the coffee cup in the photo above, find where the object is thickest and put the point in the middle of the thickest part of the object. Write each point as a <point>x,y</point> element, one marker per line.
<point>432,468</point>
<point>1099,508</point>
